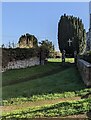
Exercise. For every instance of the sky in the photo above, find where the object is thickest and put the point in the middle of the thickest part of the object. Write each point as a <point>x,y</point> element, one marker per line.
<point>39,19</point>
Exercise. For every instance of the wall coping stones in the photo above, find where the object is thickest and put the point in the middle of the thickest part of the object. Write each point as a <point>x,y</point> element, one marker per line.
<point>87,64</point>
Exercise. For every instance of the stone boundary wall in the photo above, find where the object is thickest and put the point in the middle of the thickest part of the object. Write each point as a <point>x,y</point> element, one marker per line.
<point>22,63</point>
<point>85,71</point>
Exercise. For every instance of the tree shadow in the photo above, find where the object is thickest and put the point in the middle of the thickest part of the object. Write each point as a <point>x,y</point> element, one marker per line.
<point>88,95</point>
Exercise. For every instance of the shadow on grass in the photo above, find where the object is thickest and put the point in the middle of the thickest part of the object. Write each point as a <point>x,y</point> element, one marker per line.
<point>63,77</point>
<point>60,67</point>
<point>89,114</point>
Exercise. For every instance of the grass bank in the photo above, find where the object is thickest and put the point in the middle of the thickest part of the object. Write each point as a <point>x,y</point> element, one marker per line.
<point>63,81</point>
<point>46,82</point>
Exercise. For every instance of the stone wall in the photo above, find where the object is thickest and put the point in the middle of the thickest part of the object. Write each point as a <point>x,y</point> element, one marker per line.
<point>22,63</point>
<point>85,71</point>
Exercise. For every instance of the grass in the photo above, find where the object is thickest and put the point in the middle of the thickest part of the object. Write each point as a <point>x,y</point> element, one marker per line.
<point>46,82</point>
<point>19,75</point>
<point>12,76</point>
<point>56,83</point>
<point>62,79</point>
<point>71,60</point>
<point>56,110</point>
<point>47,96</point>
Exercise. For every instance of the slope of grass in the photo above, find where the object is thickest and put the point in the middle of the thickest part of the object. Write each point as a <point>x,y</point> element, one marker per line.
<point>47,82</point>
<point>67,80</point>
<point>19,75</point>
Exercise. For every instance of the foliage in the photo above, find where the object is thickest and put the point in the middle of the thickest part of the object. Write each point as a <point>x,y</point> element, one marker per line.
<point>72,28</point>
<point>46,49</point>
<point>9,54</point>
<point>13,54</point>
<point>86,56</point>
<point>56,110</point>
<point>5,57</point>
<point>28,41</point>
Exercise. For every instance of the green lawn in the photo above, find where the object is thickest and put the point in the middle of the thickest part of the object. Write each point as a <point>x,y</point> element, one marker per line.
<point>52,77</point>
<point>19,75</point>
<point>71,60</point>
<point>44,82</point>
<point>67,80</point>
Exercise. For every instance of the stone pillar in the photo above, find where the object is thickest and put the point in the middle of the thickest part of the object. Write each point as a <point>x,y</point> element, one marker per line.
<point>75,57</point>
<point>63,56</point>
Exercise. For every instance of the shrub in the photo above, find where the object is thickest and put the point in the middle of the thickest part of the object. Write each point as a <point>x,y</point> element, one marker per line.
<point>86,56</point>
<point>9,54</point>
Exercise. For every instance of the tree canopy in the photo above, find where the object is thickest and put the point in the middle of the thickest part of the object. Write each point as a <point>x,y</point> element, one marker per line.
<point>71,28</point>
<point>47,48</point>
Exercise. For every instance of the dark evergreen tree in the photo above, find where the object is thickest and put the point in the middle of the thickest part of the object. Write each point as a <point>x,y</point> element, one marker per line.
<point>71,28</point>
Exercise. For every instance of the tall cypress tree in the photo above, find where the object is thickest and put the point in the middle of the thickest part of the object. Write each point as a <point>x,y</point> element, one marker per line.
<point>72,28</point>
